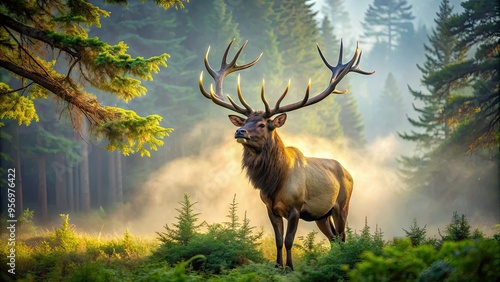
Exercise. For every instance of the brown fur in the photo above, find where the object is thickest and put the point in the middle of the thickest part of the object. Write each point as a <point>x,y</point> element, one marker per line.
<point>293,186</point>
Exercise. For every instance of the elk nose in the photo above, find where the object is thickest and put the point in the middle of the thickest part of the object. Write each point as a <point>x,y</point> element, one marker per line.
<point>240,132</point>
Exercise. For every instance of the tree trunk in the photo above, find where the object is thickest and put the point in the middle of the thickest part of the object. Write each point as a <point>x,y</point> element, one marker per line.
<point>42,188</point>
<point>19,176</point>
<point>76,191</point>
<point>70,181</point>
<point>60,172</point>
<point>119,182</point>
<point>99,175</point>
<point>84,172</point>
<point>111,179</point>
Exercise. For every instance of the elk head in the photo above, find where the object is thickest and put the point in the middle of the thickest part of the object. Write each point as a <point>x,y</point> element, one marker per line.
<point>259,125</point>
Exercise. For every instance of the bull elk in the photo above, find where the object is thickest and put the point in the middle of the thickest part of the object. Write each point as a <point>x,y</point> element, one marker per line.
<point>291,185</point>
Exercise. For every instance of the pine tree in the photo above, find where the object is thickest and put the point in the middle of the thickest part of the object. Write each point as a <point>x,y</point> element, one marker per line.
<point>80,61</point>
<point>233,223</point>
<point>337,14</point>
<point>432,129</point>
<point>458,229</point>
<point>254,19</point>
<point>386,20</point>
<point>325,123</point>
<point>186,228</point>
<point>416,233</point>
<point>296,30</point>
<point>351,120</point>
<point>390,108</point>
<point>475,115</point>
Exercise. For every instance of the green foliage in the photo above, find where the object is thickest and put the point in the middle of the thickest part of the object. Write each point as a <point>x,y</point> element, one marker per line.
<point>13,106</point>
<point>225,246</point>
<point>458,229</point>
<point>131,132</point>
<point>416,234</point>
<point>311,249</point>
<point>185,229</point>
<point>61,27</point>
<point>25,221</point>
<point>222,254</point>
<point>65,237</point>
<point>473,118</point>
<point>467,260</point>
<point>343,256</point>
<point>177,274</point>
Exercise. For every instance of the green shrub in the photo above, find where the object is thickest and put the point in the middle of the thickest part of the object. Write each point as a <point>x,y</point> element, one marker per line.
<point>466,260</point>
<point>416,233</point>
<point>25,221</point>
<point>177,274</point>
<point>334,266</point>
<point>219,246</point>
<point>258,272</point>
<point>225,246</point>
<point>91,271</point>
<point>65,237</point>
<point>311,250</point>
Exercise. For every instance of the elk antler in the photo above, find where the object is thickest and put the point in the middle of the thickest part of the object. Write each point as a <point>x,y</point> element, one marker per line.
<point>338,72</point>
<point>226,68</point>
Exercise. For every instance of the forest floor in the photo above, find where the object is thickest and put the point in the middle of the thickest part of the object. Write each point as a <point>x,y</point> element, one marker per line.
<point>65,254</point>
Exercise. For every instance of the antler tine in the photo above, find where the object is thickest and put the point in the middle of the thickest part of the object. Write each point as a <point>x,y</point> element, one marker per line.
<point>233,65</point>
<point>264,100</point>
<point>276,108</point>
<point>341,52</point>
<point>338,73</point>
<point>210,70</point>
<point>240,96</point>
<point>324,59</point>
<point>356,68</point>
<point>226,68</point>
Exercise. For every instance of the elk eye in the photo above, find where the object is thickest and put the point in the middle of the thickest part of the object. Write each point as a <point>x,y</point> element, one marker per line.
<point>262,125</point>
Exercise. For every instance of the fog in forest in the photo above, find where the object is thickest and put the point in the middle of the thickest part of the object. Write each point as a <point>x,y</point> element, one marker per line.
<point>202,159</point>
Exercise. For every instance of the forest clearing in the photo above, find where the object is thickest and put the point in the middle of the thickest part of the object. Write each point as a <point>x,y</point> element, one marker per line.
<point>118,161</point>
<point>236,251</point>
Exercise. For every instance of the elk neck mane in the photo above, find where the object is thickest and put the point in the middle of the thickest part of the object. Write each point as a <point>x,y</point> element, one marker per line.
<point>268,168</point>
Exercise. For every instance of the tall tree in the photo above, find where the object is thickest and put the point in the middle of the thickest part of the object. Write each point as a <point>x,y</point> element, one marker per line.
<point>325,123</point>
<point>474,115</point>
<point>339,16</point>
<point>32,28</point>
<point>296,29</point>
<point>255,23</point>
<point>351,120</point>
<point>84,174</point>
<point>390,109</point>
<point>456,110</point>
<point>386,20</point>
<point>440,51</point>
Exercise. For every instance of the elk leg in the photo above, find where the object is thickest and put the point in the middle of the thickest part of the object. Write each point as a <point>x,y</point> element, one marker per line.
<point>326,227</point>
<point>339,217</point>
<point>291,229</point>
<point>277,223</point>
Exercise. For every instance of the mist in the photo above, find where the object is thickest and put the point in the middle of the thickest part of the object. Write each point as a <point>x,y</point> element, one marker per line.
<point>202,159</point>
<point>214,176</point>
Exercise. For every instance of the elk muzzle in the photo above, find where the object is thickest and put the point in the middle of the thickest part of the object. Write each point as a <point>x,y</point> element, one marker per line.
<point>241,135</point>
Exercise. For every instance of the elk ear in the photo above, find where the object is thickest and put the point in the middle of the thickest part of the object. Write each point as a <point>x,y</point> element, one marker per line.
<point>279,120</point>
<point>236,120</point>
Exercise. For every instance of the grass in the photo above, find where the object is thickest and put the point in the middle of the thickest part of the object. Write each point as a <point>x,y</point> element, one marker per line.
<point>64,254</point>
